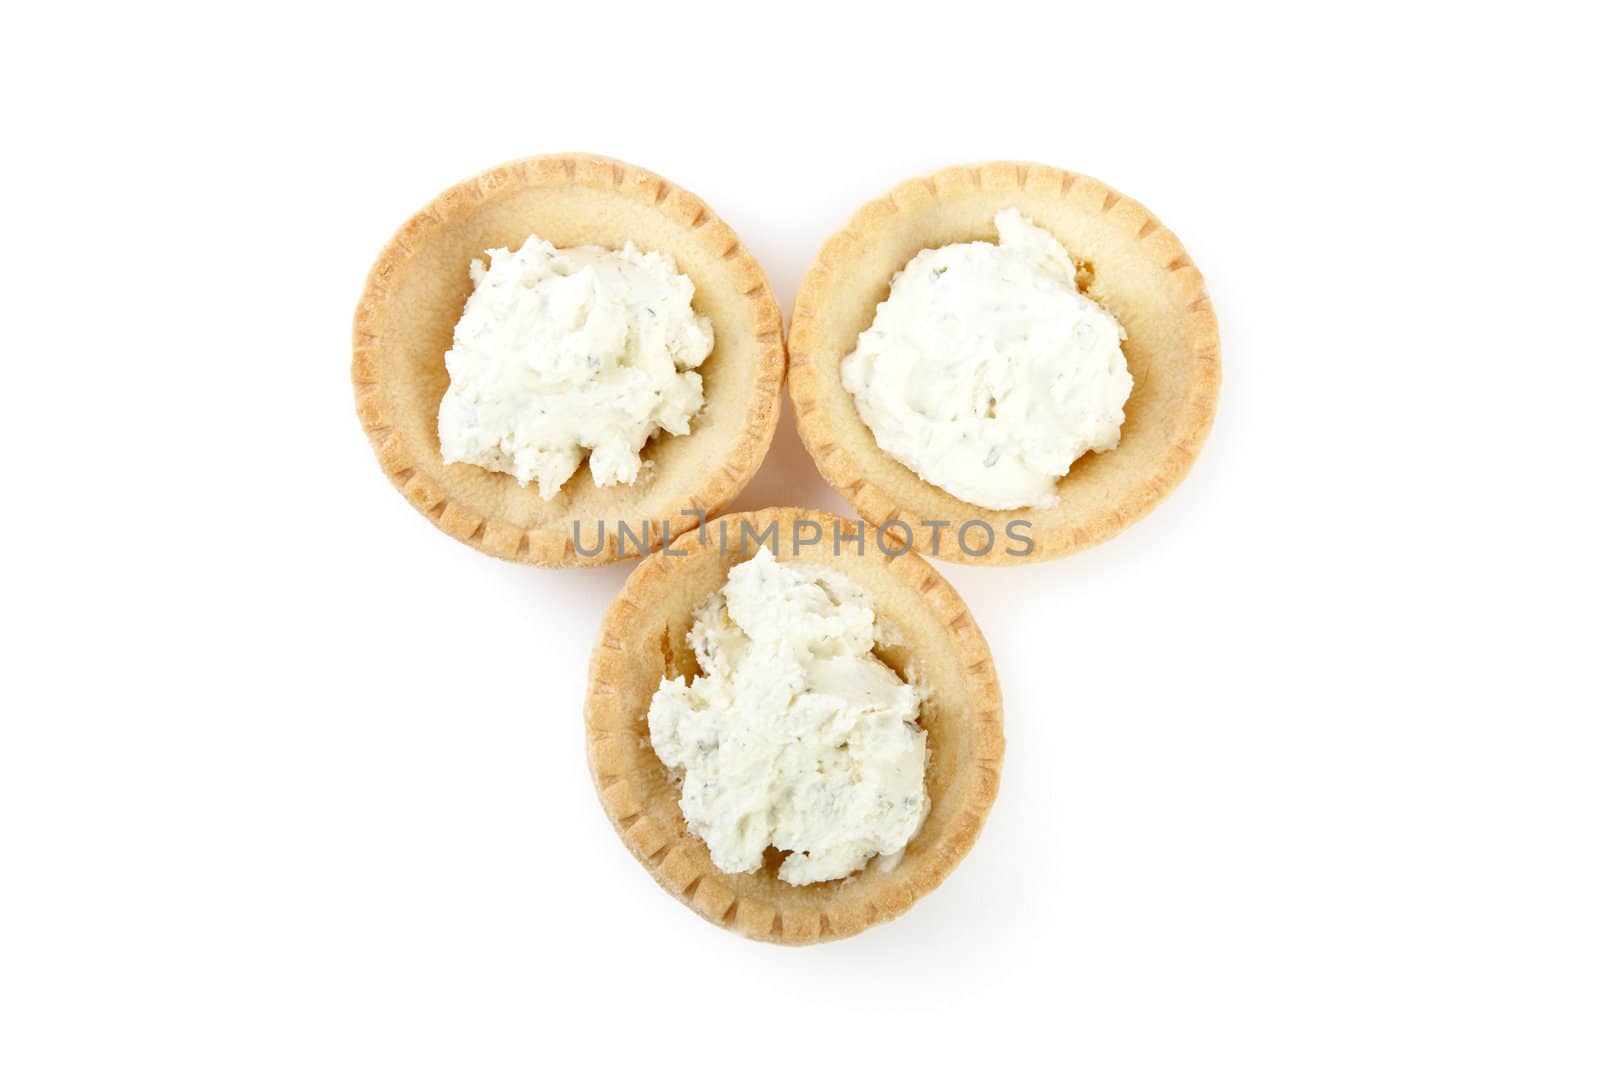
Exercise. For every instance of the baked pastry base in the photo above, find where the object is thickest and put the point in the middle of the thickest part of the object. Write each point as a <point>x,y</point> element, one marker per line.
<point>1128,263</point>
<point>644,637</point>
<point>415,295</point>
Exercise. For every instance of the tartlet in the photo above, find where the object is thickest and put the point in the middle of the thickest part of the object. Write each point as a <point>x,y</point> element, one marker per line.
<point>416,292</point>
<point>1127,262</point>
<point>643,638</point>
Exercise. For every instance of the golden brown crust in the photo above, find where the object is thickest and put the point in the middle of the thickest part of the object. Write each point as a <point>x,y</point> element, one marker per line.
<point>415,294</point>
<point>1138,271</point>
<point>643,638</point>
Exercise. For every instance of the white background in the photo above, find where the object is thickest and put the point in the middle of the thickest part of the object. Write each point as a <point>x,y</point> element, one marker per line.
<point>1301,769</point>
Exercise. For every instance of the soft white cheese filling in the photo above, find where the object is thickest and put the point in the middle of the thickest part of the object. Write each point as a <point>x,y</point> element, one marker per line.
<point>987,372</point>
<point>794,735</point>
<point>566,351</point>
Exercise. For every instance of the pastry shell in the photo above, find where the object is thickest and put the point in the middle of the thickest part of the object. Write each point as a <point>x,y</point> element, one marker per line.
<point>644,637</point>
<point>1128,263</point>
<point>416,292</point>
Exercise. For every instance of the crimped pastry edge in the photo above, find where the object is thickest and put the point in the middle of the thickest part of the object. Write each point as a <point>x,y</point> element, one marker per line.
<point>550,544</point>
<point>653,830</point>
<point>890,498</point>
